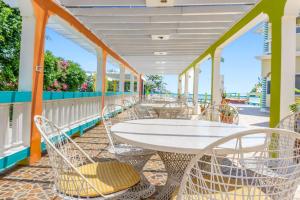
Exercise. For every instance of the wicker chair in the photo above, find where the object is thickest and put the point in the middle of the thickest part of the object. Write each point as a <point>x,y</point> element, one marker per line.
<point>291,122</point>
<point>77,176</point>
<point>136,156</point>
<point>175,110</point>
<point>219,172</point>
<point>220,113</point>
<point>127,104</point>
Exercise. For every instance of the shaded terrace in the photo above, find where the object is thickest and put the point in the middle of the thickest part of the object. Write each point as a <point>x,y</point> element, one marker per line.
<point>142,37</point>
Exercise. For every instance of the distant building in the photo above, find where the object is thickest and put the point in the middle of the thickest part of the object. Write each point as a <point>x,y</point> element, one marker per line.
<point>266,63</point>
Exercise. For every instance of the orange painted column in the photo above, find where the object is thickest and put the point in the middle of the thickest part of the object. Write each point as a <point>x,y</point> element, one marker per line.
<point>104,56</point>
<point>140,86</point>
<point>41,16</point>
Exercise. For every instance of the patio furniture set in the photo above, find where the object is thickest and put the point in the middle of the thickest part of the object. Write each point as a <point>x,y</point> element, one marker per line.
<point>207,156</point>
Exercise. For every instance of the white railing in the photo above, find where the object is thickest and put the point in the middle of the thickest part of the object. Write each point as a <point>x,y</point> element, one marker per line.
<point>70,113</point>
<point>15,127</point>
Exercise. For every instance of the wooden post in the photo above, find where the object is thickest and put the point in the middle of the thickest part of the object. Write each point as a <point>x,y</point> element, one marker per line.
<point>41,15</point>
<point>104,57</point>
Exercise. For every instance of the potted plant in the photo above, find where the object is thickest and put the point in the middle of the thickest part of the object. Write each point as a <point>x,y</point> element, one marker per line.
<point>223,95</point>
<point>227,113</point>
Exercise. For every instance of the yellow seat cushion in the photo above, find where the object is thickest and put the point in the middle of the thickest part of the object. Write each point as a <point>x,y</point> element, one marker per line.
<point>106,177</point>
<point>232,193</point>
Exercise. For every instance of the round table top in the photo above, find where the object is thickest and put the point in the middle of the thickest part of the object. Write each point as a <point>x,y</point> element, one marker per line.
<point>177,136</point>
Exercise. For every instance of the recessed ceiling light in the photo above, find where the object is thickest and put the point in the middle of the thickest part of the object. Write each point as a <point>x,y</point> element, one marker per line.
<point>159,3</point>
<point>160,62</point>
<point>160,53</point>
<point>160,37</point>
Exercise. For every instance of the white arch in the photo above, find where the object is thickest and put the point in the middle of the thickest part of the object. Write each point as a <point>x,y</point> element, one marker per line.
<point>292,7</point>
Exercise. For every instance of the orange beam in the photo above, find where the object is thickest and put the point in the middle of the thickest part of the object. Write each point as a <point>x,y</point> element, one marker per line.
<point>104,57</point>
<point>68,17</point>
<point>41,16</point>
<point>141,86</point>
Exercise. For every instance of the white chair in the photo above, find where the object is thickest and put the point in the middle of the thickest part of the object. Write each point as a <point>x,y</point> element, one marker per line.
<point>175,110</point>
<point>220,113</point>
<point>136,156</point>
<point>77,176</point>
<point>291,122</point>
<point>238,167</point>
<point>127,104</point>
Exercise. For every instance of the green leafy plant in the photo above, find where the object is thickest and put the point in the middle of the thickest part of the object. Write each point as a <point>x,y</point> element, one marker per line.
<point>10,37</point>
<point>227,110</point>
<point>294,107</point>
<point>155,84</point>
<point>64,75</point>
<point>224,95</point>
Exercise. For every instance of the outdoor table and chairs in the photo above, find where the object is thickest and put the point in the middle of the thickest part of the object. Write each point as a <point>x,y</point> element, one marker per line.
<point>177,141</point>
<point>169,109</point>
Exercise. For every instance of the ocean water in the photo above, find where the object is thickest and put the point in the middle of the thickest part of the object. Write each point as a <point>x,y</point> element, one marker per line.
<point>253,100</point>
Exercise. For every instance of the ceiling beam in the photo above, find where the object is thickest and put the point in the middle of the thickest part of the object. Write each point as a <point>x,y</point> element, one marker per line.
<point>158,42</point>
<point>172,36</point>
<point>89,3</point>
<point>149,53</point>
<point>158,19</point>
<point>159,26</point>
<point>161,32</point>
<point>193,10</point>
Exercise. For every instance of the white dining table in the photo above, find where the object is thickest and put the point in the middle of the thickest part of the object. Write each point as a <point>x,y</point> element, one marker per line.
<point>177,141</point>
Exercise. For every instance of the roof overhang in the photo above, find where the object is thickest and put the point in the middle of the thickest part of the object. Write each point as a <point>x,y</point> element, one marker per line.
<point>128,27</point>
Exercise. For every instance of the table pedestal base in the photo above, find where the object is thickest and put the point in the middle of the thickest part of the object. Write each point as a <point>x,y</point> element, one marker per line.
<point>175,164</point>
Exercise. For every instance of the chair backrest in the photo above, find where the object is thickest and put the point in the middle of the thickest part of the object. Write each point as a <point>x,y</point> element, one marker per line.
<point>175,110</point>
<point>65,158</point>
<point>127,104</point>
<point>220,113</point>
<point>112,114</point>
<point>291,122</point>
<point>246,165</point>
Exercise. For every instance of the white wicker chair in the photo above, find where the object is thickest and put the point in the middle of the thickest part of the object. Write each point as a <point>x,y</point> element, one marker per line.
<point>144,112</point>
<point>77,176</point>
<point>230,169</point>
<point>291,122</point>
<point>175,110</point>
<point>127,104</point>
<point>220,113</point>
<point>136,156</point>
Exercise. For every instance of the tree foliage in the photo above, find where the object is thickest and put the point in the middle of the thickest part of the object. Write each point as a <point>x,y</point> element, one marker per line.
<point>257,88</point>
<point>10,37</point>
<point>155,84</point>
<point>63,75</point>
<point>59,74</point>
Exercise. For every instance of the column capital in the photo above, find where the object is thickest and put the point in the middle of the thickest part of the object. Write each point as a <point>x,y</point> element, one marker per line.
<point>217,53</point>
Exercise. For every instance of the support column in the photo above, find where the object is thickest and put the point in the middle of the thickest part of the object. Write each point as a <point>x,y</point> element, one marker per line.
<point>104,57</point>
<point>283,65</point>
<point>34,24</point>
<point>132,83</point>
<point>122,79</point>
<point>99,75</point>
<point>216,78</point>
<point>186,85</point>
<point>179,86</point>
<point>196,87</point>
<point>288,64</point>
<point>140,86</point>
<point>26,67</point>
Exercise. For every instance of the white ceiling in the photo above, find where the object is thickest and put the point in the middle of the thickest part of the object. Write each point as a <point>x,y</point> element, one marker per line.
<point>126,26</point>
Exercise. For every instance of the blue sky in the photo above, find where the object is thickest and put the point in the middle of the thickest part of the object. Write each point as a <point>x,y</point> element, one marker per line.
<point>240,67</point>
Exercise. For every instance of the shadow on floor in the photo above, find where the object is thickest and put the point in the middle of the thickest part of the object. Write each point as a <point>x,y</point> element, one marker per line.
<point>251,110</point>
